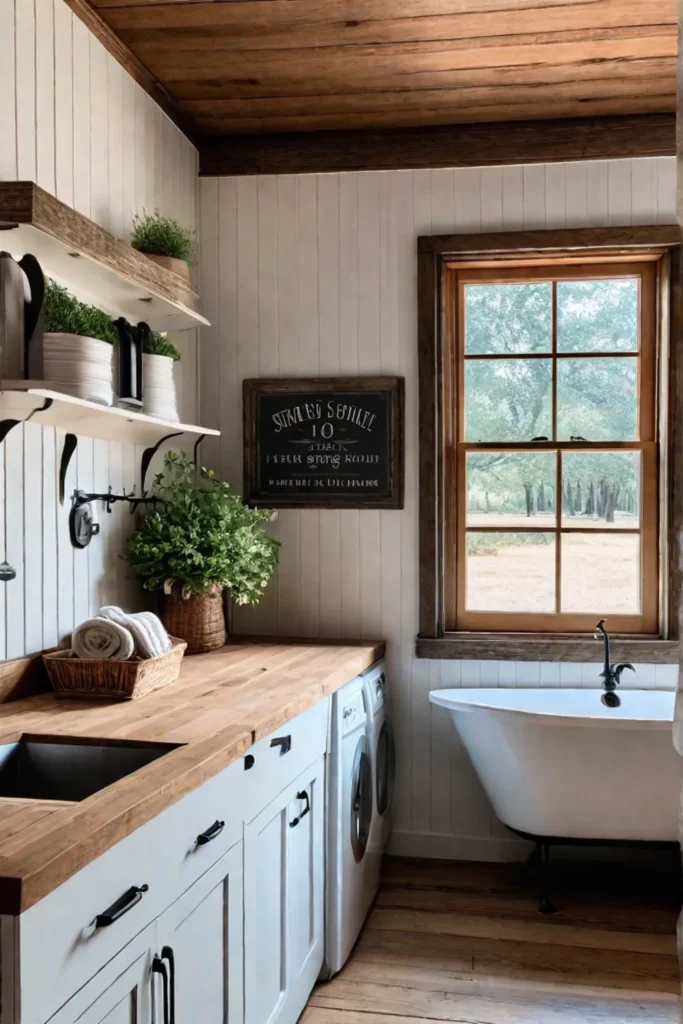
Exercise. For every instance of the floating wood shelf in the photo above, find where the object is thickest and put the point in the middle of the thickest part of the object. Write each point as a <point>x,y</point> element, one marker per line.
<point>76,416</point>
<point>94,265</point>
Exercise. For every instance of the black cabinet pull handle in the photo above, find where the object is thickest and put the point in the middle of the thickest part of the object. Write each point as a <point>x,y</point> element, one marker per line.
<point>121,906</point>
<point>159,967</point>
<point>249,762</point>
<point>167,954</point>
<point>212,831</point>
<point>303,795</point>
<point>283,742</point>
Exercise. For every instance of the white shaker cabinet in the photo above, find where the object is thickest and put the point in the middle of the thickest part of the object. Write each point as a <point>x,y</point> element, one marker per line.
<point>200,938</point>
<point>121,993</point>
<point>284,900</point>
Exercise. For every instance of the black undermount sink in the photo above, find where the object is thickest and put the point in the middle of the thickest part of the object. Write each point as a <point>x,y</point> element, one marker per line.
<point>70,768</point>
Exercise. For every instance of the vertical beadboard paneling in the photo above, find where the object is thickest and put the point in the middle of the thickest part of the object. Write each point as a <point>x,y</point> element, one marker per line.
<point>343,263</point>
<point>68,121</point>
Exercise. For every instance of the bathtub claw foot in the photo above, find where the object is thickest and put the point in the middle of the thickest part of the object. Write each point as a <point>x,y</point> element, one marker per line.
<point>546,906</point>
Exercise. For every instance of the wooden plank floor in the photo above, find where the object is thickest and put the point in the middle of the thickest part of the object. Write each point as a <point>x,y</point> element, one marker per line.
<point>450,941</point>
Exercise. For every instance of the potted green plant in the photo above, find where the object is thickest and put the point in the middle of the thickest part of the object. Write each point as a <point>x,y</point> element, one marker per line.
<point>198,540</point>
<point>164,241</point>
<point>78,345</point>
<point>158,382</point>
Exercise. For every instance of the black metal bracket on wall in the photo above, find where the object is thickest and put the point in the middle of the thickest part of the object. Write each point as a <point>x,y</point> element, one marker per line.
<point>70,444</point>
<point>10,424</point>
<point>149,454</point>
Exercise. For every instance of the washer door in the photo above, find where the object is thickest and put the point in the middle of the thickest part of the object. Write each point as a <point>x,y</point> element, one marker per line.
<point>386,767</point>
<point>361,800</point>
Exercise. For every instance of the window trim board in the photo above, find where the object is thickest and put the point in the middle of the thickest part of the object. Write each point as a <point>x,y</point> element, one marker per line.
<point>435,255</point>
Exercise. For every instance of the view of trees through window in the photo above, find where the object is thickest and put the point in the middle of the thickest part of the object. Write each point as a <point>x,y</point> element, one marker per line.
<point>549,445</point>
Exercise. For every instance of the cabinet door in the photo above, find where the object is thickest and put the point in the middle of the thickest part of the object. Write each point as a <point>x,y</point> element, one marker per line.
<point>202,944</point>
<point>283,901</point>
<point>121,993</point>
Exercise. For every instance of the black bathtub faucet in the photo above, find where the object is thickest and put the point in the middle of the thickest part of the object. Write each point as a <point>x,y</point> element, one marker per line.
<point>611,674</point>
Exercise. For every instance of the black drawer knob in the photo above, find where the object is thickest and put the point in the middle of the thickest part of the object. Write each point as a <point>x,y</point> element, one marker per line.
<point>249,762</point>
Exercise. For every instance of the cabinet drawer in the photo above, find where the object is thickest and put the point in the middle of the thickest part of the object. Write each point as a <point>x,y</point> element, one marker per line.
<point>279,758</point>
<point>204,825</point>
<point>163,854</point>
<point>60,947</point>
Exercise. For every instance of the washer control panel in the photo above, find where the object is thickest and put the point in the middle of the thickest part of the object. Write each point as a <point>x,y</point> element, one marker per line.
<point>352,713</point>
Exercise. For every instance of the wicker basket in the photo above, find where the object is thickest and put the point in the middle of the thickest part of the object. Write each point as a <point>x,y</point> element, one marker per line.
<point>198,619</point>
<point>112,680</point>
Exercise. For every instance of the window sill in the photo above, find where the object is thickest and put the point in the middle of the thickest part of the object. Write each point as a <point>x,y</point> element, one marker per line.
<point>542,647</point>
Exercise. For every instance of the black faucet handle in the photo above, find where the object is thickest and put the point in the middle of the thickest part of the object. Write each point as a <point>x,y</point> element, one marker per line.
<point>618,669</point>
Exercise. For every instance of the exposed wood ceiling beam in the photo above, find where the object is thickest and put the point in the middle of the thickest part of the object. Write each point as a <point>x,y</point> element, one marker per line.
<point>512,142</point>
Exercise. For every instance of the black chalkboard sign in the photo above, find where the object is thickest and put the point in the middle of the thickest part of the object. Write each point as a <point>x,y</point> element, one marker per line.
<point>324,443</point>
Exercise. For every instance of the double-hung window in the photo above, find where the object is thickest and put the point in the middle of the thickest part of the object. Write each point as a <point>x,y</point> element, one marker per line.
<point>549,423</point>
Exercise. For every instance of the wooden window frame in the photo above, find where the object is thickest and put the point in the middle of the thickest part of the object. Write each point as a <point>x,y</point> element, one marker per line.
<point>438,257</point>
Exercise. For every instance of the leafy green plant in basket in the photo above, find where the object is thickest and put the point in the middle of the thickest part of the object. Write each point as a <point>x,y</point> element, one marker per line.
<point>156,235</point>
<point>198,540</point>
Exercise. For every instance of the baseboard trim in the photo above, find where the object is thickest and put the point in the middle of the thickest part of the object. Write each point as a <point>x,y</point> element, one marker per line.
<point>434,845</point>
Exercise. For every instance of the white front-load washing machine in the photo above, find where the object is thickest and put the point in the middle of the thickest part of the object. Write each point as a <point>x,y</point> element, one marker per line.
<point>349,817</point>
<point>383,766</point>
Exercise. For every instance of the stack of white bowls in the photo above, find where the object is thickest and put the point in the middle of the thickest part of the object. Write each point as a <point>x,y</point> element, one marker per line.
<point>158,387</point>
<point>79,366</point>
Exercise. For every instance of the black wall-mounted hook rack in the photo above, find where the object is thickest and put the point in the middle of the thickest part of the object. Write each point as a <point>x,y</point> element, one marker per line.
<point>82,526</point>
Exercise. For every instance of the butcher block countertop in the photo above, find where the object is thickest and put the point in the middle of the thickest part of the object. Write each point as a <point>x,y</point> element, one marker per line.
<point>222,703</point>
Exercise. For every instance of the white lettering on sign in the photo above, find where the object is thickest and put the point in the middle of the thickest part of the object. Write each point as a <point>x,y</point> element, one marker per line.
<point>340,412</point>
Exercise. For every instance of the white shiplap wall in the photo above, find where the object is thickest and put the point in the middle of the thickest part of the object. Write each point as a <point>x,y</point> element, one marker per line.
<point>315,275</point>
<point>74,121</point>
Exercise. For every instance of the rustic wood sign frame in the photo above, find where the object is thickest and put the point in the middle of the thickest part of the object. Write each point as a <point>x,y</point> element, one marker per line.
<point>326,403</point>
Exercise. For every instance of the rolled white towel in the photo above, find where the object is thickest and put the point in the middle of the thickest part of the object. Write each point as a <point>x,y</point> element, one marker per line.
<point>148,632</point>
<point>102,638</point>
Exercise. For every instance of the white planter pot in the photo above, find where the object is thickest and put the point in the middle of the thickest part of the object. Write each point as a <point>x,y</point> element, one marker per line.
<point>158,387</point>
<point>79,366</point>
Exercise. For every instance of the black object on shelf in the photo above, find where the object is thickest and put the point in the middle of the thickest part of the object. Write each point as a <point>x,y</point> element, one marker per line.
<point>33,317</point>
<point>131,340</point>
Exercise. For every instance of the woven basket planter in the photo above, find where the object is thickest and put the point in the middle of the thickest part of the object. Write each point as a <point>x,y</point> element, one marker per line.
<point>198,619</point>
<point>107,679</point>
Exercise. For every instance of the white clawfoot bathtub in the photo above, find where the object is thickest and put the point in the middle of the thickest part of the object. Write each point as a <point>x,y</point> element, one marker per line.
<point>558,763</point>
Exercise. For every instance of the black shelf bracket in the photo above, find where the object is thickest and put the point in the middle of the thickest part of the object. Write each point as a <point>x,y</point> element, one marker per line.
<point>196,446</point>
<point>149,454</point>
<point>70,444</point>
<point>9,424</point>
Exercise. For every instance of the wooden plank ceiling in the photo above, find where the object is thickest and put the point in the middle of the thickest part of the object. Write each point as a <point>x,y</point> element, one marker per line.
<point>282,66</point>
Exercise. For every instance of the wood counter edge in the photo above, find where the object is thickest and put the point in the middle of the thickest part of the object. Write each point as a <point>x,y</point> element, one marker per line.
<point>30,874</point>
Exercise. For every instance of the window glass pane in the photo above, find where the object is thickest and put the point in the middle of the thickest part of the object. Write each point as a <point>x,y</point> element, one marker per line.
<point>507,399</point>
<point>597,316</point>
<point>511,489</point>
<point>601,573</point>
<point>597,399</point>
<point>601,489</point>
<point>510,572</point>
<point>508,318</point>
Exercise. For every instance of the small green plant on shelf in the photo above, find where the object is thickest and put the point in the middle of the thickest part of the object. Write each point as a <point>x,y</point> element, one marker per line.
<point>64,314</point>
<point>162,236</point>
<point>158,345</point>
<point>200,537</point>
